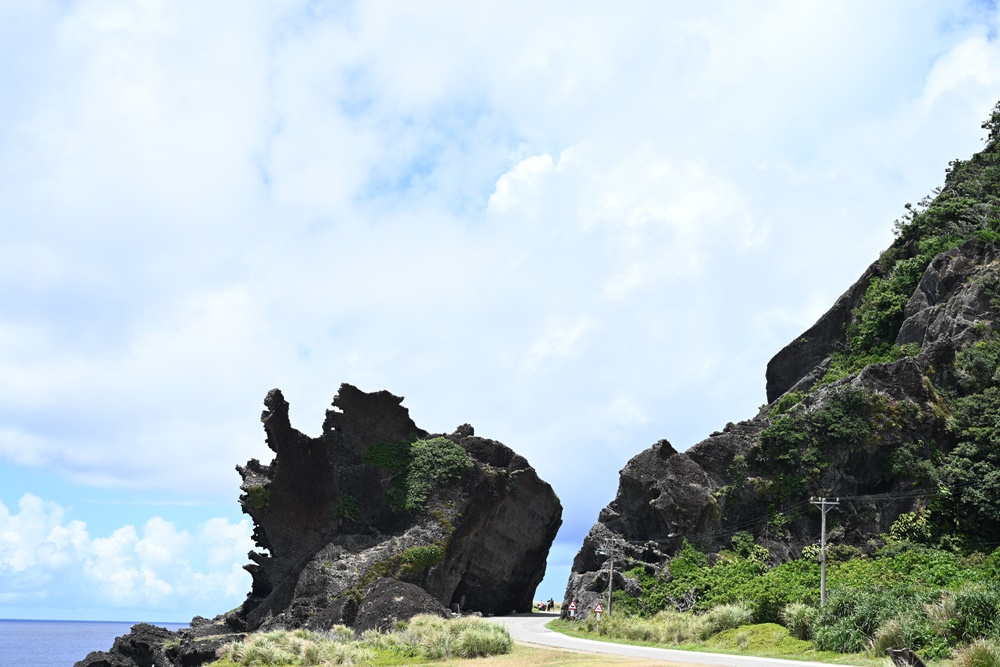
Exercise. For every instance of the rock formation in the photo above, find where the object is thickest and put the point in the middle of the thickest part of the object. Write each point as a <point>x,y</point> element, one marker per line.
<point>890,401</point>
<point>372,522</point>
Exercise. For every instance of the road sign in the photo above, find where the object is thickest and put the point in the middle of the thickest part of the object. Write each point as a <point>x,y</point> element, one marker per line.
<point>599,609</point>
<point>572,605</point>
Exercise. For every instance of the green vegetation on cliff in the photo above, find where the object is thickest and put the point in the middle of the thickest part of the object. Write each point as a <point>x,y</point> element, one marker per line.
<point>418,468</point>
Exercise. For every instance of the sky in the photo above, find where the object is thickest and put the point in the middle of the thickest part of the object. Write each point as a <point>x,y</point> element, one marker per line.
<point>581,227</point>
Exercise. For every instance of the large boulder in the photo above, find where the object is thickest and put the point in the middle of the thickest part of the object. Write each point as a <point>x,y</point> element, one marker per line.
<point>464,518</point>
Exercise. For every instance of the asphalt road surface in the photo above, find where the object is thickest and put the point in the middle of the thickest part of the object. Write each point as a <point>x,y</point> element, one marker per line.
<point>530,629</point>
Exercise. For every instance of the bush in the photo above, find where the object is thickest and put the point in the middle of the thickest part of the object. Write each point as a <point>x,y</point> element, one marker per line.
<point>481,639</point>
<point>980,653</point>
<point>976,610</point>
<point>890,634</point>
<point>417,468</point>
<point>799,618</point>
<point>729,616</point>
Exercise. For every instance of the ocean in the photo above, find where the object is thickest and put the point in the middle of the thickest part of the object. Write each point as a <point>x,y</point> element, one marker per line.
<point>58,643</point>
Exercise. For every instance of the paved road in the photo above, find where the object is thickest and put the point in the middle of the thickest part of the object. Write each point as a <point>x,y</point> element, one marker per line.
<point>530,629</point>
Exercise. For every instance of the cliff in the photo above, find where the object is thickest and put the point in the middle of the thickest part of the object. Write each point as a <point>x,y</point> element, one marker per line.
<point>891,402</point>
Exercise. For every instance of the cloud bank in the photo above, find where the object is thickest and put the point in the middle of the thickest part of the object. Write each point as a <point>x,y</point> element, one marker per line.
<point>581,228</point>
<point>53,565</point>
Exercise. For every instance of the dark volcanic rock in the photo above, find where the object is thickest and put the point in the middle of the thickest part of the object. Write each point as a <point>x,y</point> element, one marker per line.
<point>355,528</point>
<point>388,601</point>
<point>860,430</point>
<point>328,511</point>
<point>143,646</point>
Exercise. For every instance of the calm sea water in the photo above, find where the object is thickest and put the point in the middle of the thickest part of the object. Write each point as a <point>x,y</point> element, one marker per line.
<point>58,643</point>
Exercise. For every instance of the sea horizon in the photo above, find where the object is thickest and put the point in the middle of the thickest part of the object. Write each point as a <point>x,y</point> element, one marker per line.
<point>28,642</point>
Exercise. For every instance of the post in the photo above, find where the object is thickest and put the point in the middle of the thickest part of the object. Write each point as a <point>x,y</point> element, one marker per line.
<point>824,506</point>
<point>611,581</point>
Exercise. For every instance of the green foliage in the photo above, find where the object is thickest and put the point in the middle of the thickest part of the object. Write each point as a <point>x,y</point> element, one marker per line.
<point>851,616</point>
<point>346,507</point>
<point>391,456</point>
<point>980,653</point>
<point>418,559</point>
<point>727,616</point>
<point>417,468</point>
<point>969,499</point>
<point>799,618</point>
<point>258,496</point>
<point>911,527</point>
<point>977,367</point>
<point>793,446</point>
<point>759,639</point>
<point>787,401</point>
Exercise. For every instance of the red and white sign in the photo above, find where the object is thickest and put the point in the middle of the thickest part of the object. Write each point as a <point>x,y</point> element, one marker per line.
<point>599,609</point>
<point>572,605</point>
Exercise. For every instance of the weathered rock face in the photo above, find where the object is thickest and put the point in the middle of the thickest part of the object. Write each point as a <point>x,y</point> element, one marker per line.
<point>357,503</point>
<point>870,435</point>
<point>368,524</point>
<point>151,646</point>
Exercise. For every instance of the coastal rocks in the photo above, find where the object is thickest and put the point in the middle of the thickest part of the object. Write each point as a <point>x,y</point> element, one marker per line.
<point>464,518</point>
<point>151,646</point>
<point>372,522</point>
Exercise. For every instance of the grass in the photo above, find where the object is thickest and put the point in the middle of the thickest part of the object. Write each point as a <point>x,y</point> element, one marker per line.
<point>424,638</point>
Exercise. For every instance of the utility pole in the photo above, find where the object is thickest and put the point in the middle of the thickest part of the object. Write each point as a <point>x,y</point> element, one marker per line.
<point>609,547</point>
<point>824,506</point>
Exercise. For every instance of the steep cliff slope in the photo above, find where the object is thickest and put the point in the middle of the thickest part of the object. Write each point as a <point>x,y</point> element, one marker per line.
<point>891,402</point>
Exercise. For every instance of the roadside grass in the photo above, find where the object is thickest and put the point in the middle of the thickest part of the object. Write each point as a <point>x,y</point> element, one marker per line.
<point>765,640</point>
<point>425,639</point>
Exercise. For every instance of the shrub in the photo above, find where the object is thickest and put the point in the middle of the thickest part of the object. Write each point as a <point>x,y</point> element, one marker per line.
<point>890,634</point>
<point>976,610</point>
<point>980,653</point>
<point>799,618</point>
<point>417,468</point>
<point>258,496</point>
<point>481,639</point>
<point>728,616</point>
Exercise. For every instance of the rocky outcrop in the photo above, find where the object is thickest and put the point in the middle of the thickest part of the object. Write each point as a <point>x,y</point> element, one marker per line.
<point>152,646</point>
<point>871,435</point>
<point>369,523</point>
<point>463,517</point>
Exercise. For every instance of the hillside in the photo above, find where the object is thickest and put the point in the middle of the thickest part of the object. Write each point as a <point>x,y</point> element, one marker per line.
<point>890,402</point>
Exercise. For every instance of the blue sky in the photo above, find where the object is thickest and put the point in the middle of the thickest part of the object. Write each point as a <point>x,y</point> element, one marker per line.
<point>579,227</point>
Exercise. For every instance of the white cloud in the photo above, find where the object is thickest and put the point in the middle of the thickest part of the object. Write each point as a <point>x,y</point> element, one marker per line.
<point>515,214</point>
<point>44,557</point>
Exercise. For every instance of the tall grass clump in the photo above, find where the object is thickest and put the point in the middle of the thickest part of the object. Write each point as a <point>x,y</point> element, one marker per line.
<point>980,653</point>
<point>481,639</point>
<point>440,639</point>
<point>976,611</point>
<point>799,618</point>
<point>728,616</point>
<point>941,614</point>
<point>891,634</point>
